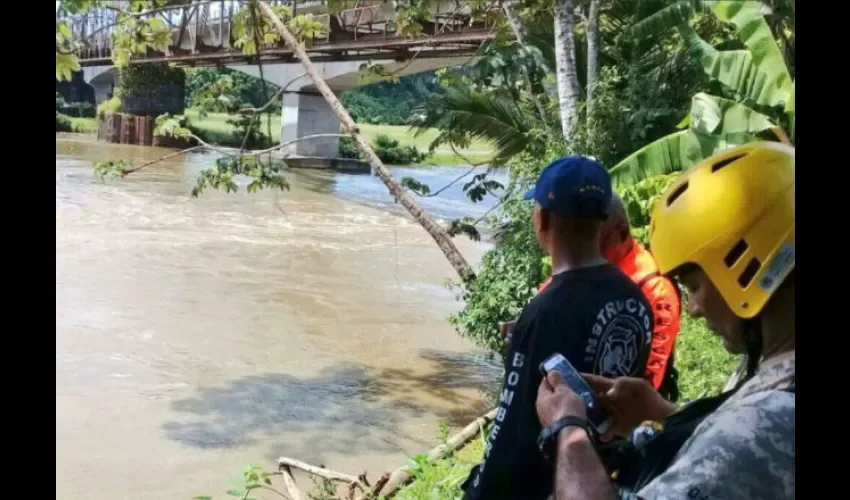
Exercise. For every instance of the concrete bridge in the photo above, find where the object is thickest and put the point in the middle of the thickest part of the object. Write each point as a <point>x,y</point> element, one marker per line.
<point>202,36</point>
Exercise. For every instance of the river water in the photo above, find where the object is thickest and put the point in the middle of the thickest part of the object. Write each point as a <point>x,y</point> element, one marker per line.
<point>197,336</point>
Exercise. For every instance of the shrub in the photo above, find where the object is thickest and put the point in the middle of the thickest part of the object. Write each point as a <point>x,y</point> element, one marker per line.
<point>111,105</point>
<point>390,151</point>
<point>63,123</point>
<point>78,109</point>
<point>348,149</point>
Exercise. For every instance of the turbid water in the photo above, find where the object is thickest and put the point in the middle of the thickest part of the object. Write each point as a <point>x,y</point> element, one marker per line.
<point>196,336</point>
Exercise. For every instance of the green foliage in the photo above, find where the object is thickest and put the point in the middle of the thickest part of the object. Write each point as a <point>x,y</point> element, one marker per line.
<point>63,123</point>
<point>252,480</point>
<point>112,169</point>
<point>441,479</point>
<point>474,114</point>
<point>391,103</point>
<point>757,96</point>
<point>250,26</point>
<point>323,489</point>
<point>171,126</point>
<point>348,148</point>
<point>265,173</point>
<point>205,88</point>
<point>390,151</point>
<point>506,280</point>
<point>640,199</point>
<point>111,105</point>
<point>152,89</point>
<point>219,96</point>
<point>66,61</point>
<point>703,363</point>
<point>249,125</point>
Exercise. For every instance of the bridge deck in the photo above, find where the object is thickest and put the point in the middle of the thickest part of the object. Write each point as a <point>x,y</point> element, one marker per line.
<point>202,36</point>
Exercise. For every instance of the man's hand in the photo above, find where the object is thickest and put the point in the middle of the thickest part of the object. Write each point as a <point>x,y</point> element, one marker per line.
<point>630,401</point>
<point>555,400</point>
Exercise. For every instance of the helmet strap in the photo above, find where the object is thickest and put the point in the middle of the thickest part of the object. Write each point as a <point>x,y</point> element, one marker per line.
<point>753,344</point>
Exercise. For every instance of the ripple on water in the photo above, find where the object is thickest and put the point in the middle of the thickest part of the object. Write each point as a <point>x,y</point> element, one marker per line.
<point>206,334</point>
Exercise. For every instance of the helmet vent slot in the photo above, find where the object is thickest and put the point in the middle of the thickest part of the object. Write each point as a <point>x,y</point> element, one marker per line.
<point>722,163</point>
<point>749,272</point>
<point>736,253</point>
<point>679,191</point>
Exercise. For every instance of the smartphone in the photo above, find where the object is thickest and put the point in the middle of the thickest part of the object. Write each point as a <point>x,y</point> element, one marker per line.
<point>597,417</point>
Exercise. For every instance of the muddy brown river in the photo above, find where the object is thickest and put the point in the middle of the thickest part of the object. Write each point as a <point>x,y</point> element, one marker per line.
<point>197,336</point>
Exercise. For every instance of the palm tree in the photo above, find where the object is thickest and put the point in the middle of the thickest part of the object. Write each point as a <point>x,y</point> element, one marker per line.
<point>756,84</point>
<point>506,101</point>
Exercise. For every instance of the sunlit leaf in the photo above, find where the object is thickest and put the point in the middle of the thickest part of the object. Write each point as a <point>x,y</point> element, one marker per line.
<point>712,115</point>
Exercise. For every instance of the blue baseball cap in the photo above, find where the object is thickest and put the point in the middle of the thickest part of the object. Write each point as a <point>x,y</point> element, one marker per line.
<point>574,185</point>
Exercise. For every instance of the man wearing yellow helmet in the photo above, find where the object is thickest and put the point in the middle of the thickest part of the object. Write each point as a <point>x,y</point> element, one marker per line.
<point>726,230</point>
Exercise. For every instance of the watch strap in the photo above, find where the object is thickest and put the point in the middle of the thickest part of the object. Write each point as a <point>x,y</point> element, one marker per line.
<point>547,437</point>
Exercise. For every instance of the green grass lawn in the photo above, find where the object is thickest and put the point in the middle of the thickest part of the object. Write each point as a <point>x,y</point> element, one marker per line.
<point>215,124</point>
<point>402,133</point>
<point>82,125</point>
<point>217,129</point>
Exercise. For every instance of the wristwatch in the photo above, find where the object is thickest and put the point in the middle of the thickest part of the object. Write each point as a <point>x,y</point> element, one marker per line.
<point>548,436</point>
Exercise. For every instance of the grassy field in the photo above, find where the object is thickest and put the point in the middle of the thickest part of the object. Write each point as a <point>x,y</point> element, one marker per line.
<point>215,124</point>
<point>215,128</point>
<point>402,133</point>
<point>82,125</point>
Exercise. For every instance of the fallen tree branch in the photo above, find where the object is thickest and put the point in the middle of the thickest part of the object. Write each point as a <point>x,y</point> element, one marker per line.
<point>402,476</point>
<point>286,462</point>
<point>388,484</point>
<point>289,483</point>
<point>161,158</point>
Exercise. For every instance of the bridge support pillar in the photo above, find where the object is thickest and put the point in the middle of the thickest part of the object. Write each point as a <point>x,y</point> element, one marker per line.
<point>305,114</point>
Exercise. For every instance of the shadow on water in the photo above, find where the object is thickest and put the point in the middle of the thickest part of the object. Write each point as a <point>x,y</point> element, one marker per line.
<point>348,409</point>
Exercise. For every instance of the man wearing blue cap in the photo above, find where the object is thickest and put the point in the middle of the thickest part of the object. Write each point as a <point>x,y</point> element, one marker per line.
<point>592,313</point>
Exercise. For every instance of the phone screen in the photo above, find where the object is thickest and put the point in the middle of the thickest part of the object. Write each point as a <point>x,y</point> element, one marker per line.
<point>595,414</point>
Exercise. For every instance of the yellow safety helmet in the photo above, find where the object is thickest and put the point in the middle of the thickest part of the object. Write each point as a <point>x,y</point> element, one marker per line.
<point>733,216</point>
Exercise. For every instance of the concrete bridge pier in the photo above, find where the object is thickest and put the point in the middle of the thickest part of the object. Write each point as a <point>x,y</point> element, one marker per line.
<point>103,79</point>
<point>304,111</point>
<point>307,113</point>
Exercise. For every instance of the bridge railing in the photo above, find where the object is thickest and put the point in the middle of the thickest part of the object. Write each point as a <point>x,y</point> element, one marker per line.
<point>206,26</point>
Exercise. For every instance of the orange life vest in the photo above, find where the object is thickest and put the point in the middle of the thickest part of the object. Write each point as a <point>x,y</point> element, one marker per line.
<point>663,296</point>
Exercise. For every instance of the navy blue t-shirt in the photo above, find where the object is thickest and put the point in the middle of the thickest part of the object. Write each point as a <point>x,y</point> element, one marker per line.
<point>599,319</point>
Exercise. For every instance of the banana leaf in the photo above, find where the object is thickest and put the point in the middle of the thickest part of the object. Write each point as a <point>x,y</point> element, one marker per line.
<point>712,115</point>
<point>672,153</point>
<point>775,86</point>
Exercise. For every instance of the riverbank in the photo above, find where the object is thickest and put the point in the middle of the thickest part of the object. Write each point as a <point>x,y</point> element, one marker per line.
<point>215,128</point>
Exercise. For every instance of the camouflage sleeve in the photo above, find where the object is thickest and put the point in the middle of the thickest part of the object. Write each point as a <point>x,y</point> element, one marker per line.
<point>746,451</point>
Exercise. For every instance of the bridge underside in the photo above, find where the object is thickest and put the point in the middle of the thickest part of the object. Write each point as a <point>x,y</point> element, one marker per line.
<point>201,37</point>
<point>304,111</point>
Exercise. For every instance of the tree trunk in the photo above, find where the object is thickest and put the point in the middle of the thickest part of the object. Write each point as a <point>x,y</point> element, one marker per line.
<point>437,232</point>
<point>514,19</point>
<point>565,58</point>
<point>519,32</point>
<point>592,50</point>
